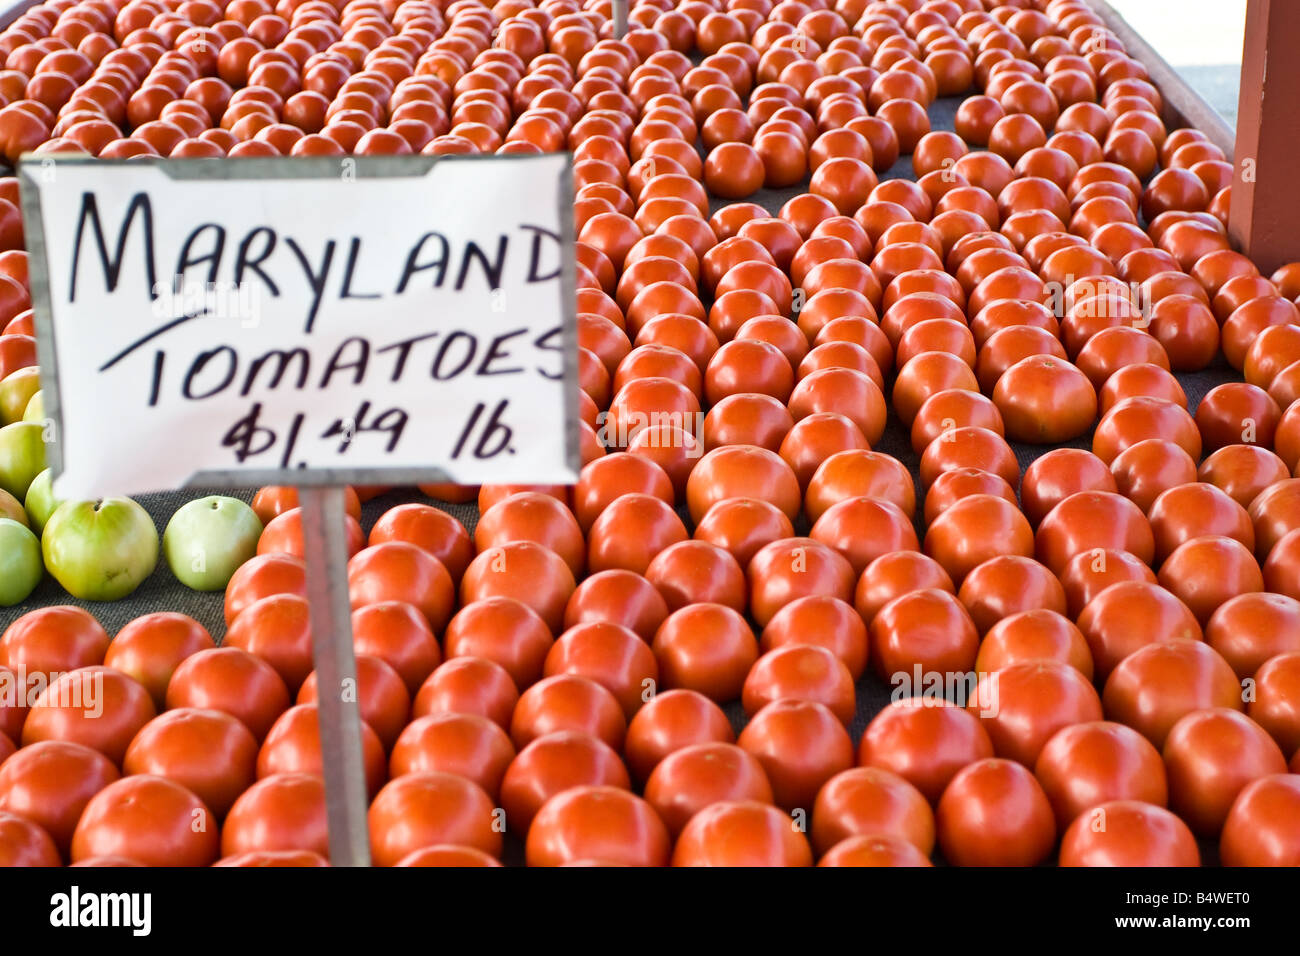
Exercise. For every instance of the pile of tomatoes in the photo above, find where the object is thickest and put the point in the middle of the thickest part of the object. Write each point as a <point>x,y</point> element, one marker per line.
<point>1102,650</point>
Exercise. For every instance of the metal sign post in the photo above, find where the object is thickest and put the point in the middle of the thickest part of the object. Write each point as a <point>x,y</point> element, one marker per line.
<point>620,18</point>
<point>325,546</point>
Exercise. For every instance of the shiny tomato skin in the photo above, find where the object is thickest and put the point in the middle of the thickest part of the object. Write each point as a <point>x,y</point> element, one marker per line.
<point>293,745</point>
<point>1210,757</point>
<point>467,745</point>
<point>670,721</point>
<point>924,740</point>
<point>609,824</point>
<point>552,764</point>
<point>874,850</point>
<point>744,833</point>
<point>866,801</point>
<point>231,680</point>
<point>1263,825</point>
<point>50,784</point>
<point>426,809</point>
<point>96,706</point>
<point>209,752</point>
<point>1128,833</point>
<point>149,819</point>
<point>801,745</point>
<point>1024,705</point>
<point>283,812</point>
<point>1090,763</point>
<point>53,639</point>
<point>468,685</point>
<point>994,813</point>
<point>1156,685</point>
<point>151,647</point>
<point>23,843</point>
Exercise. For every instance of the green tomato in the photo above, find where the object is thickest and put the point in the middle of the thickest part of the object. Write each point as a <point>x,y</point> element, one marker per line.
<point>20,562</point>
<point>16,391</point>
<point>11,507</point>
<point>35,410</point>
<point>100,550</point>
<point>40,502</point>
<point>22,456</point>
<point>208,539</point>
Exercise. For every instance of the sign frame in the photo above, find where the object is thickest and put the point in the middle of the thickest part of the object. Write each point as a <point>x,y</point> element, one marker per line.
<point>270,169</point>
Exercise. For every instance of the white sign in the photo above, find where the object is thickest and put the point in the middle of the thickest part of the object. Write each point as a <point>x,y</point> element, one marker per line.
<point>304,321</point>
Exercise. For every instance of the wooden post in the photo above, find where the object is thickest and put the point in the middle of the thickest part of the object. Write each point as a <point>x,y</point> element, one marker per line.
<point>1265,184</point>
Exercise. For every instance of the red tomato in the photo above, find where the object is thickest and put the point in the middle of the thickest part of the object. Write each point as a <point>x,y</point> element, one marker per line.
<point>925,740</point>
<point>801,745</point>
<point>447,855</point>
<point>468,685</point>
<point>994,813</point>
<point>53,640</point>
<point>397,571</point>
<point>278,631</point>
<point>398,634</point>
<point>293,746</point>
<point>692,572</point>
<point>1250,629</point>
<point>231,680</point>
<point>568,702</point>
<point>598,823</point>
<point>868,801</point>
<point>283,535</point>
<point>467,745</point>
<point>263,576</point>
<point>741,833</point>
<point>1086,764</point>
<point>294,858</point>
<point>670,722</point>
<point>1156,685</point>
<point>209,752</point>
<point>284,812</point>
<point>1276,706</point>
<point>927,630</point>
<point>537,517</point>
<point>791,568</point>
<point>1130,615</point>
<point>619,597</point>
<point>23,843</point>
<point>50,784</point>
<point>554,763</point>
<point>1128,833</point>
<point>707,648</point>
<point>152,820</point>
<point>428,809</point>
<point>502,630</point>
<point>428,528</point>
<point>800,672</point>
<point>820,621</point>
<point>1210,757</point>
<point>382,697</point>
<point>1024,705</point>
<point>524,571</point>
<point>692,778</point>
<point>96,706</point>
<point>1263,826</point>
<point>612,656</point>
<point>151,647</point>
<point>874,850</point>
